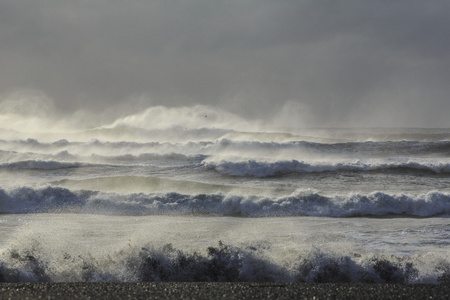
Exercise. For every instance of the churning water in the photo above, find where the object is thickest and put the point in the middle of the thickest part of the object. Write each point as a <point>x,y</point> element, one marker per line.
<point>193,195</point>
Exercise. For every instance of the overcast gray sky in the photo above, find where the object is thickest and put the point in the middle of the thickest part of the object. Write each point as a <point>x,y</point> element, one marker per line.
<point>319,62</point>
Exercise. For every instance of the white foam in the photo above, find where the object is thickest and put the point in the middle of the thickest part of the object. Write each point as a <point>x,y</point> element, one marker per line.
<point>256,168</point>
<point>67,247</point>
<point>27,200</point>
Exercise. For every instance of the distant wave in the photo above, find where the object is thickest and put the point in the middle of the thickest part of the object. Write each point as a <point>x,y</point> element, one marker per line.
<point>51,199</point>
<point>219,145</point>
<point>146,157</point>
<point>38,164</point>
<point>64,159</point>
<point>380,148</point>
<point>220,263</point>
<point>266,169</point>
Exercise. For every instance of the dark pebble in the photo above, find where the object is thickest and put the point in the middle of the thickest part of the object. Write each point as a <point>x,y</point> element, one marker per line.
<point>183,290</point>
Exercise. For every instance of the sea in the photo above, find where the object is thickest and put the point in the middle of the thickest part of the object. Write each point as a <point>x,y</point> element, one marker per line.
<point>197,194</point>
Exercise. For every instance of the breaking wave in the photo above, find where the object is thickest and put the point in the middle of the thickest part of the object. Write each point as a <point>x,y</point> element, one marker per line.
<point>303,203</point>
<point>224,145</point>
<point>267,169</point>
<point>221,263</point>
<point>252,168</point>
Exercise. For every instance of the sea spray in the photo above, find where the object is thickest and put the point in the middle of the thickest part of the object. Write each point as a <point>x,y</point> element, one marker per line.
<point>301,203</point>
<point>147,196</point>
<point>220,263</point>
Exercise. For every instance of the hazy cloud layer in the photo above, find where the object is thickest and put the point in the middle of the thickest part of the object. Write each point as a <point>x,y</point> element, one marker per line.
<point>315,63</point>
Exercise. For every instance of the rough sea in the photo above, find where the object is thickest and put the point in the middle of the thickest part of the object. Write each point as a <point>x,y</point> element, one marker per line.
<point>197,195</point>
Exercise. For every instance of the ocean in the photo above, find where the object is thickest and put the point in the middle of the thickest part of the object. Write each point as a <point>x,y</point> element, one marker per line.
<point>198,195</point>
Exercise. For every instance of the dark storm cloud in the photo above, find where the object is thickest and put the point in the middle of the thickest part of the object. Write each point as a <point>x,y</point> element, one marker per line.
<point>347,62</point>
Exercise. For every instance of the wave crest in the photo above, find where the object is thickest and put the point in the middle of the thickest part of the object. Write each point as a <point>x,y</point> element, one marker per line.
<point>50,199</point>
<point>222,263</point>
<point>268,169</point>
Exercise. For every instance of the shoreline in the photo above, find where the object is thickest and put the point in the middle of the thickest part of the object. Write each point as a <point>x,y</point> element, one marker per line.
<point>225,290</point>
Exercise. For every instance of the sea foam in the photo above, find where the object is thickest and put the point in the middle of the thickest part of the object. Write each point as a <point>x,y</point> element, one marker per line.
<point>274,168</point>
<point>52,199</point>
<point>219,263</point>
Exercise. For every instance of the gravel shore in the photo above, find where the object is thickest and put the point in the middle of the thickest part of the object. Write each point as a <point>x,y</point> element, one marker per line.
<point>183,290</point>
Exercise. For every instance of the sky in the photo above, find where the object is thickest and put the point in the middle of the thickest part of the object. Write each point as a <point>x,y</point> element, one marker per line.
<point>310,63</point>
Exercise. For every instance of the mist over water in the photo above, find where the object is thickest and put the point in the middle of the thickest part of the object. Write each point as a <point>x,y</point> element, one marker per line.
<point>198,193</point>
<point>316,64</point>
<point>288,141</point>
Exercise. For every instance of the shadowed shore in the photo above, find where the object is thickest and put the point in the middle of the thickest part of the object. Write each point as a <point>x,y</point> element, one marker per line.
<point>183,290</point>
